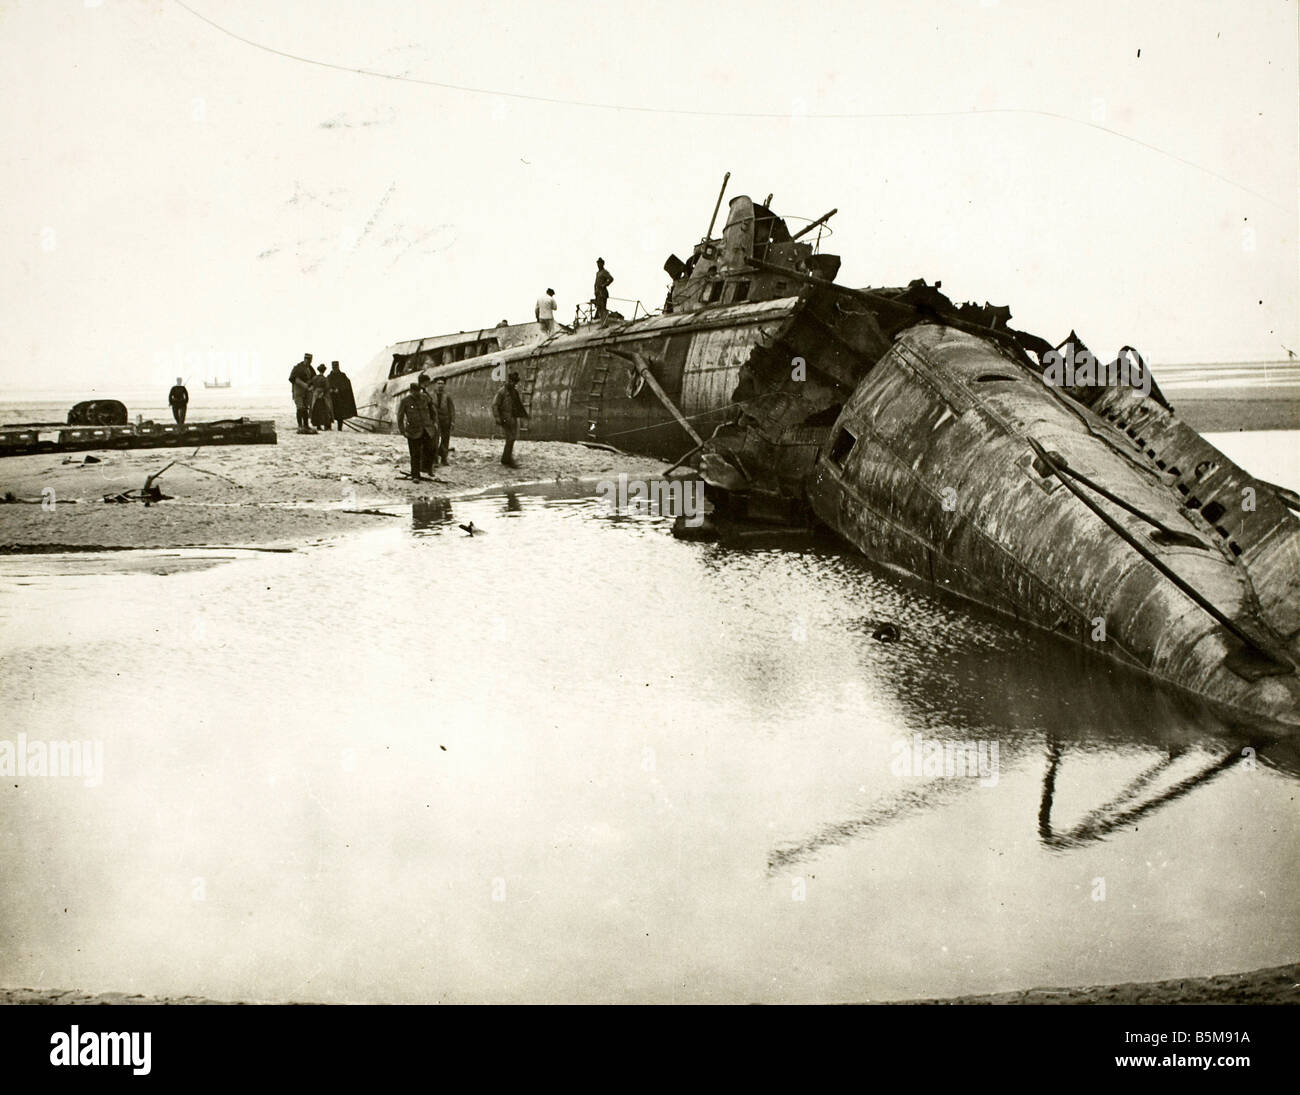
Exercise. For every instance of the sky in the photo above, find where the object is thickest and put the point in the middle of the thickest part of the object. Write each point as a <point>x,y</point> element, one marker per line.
<point>1126,169</point>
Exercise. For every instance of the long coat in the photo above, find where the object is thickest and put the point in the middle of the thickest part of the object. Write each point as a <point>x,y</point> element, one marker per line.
<point>321,413</point>
<point>345,403</point>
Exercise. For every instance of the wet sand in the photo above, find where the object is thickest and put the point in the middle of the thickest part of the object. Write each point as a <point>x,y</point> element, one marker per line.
<point>305,488</point>
<point>1220,410</point>
<point>1274,985</point>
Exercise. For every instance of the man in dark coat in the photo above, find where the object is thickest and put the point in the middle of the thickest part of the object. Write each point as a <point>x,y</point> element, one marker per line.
<point>300,382</point>
<point>179,400</point>
<point>445,409</point>
<point>507,410</point>
<point>345,403</point>
<point>430,450</point>
<point>415,418</point>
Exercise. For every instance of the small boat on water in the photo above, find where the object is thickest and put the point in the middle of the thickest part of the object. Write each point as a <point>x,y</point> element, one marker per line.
<point>935,438</point>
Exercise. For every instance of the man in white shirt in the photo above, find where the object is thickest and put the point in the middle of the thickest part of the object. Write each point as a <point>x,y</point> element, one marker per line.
<point>545,311</point>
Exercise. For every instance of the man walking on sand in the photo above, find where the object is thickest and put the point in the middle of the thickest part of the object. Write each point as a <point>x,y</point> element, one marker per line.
<point>545,311</point>
<point>507,409</point>
<point>179,400</point>
<point>415,420</point>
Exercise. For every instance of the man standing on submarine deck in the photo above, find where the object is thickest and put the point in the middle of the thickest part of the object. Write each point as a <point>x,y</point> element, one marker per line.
<point>507,410</point>
<point>544,310</point>
<point>604,279</point>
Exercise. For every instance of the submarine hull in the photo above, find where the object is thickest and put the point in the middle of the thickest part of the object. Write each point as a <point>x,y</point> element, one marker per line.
<point>929,469</point>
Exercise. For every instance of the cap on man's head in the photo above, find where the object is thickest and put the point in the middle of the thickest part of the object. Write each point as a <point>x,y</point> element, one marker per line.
<point>306,355</point>
<point>551,292</point>
<point>600,262</point>
<point>335,364</point>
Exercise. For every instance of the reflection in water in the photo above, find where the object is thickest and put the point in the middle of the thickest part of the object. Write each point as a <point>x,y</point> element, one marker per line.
<point>1113,815</point>
<point>977,681</point>
<point>427,513</point>
<point>643,748</point>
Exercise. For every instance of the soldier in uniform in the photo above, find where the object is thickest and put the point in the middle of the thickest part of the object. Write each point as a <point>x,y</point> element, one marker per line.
<point>416,421</point>
<point>300,382</point>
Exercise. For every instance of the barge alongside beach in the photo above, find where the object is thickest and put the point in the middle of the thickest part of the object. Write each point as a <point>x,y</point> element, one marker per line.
<point>41,437</point>
<point>935,438</point>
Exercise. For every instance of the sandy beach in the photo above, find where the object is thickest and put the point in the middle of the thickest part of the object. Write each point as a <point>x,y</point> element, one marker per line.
<point>1219,410</point>
<point>1274,985</point>
<point>304,488</point>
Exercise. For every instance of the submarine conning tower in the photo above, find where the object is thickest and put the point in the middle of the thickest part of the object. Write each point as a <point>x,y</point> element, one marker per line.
<point>749,261</point>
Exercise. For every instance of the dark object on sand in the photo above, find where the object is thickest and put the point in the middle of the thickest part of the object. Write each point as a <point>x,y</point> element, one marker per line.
<point>147,495</point>
<point>98,412</point>
<point>885,633</point>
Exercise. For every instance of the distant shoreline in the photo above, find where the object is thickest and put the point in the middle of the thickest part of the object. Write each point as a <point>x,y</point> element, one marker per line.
<point>1262,407</point>
<point>1270,985</point>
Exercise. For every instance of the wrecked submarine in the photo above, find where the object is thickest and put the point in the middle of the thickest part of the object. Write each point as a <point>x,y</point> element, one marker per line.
<point>934,438</point>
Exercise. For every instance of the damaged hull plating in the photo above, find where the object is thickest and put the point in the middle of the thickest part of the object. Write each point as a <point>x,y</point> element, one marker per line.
<point>929,437</point>
<point>940,480</point>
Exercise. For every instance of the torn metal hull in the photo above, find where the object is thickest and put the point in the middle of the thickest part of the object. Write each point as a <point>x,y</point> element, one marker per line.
<point>939,479</point>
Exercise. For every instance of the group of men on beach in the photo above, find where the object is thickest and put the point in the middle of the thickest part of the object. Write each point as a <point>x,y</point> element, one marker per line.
<point>321,399</point>
<point>426,415</point>
<point>426,419</point>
